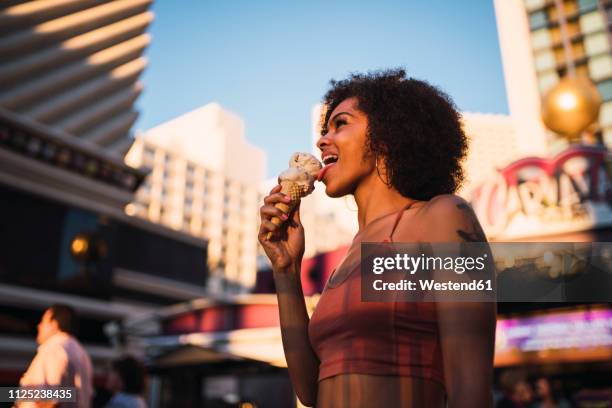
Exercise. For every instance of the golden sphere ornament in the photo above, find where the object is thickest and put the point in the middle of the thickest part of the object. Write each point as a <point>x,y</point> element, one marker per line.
<point>571,106</point>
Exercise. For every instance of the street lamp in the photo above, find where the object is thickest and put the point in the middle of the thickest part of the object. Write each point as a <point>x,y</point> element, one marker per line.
<point>88,247</point>
<point>571,106</point>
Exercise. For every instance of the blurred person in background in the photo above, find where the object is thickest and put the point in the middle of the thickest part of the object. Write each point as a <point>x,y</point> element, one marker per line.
<point>395,144</point>
<point>518,393</point>
<point>127,381</point>
<point>549,398</point>
<point>60,360</point>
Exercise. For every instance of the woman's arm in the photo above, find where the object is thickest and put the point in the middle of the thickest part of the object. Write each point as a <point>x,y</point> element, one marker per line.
<point>467,337</point>
<point>467,329</point>
<point>285,250</point>
<point>302,362</point>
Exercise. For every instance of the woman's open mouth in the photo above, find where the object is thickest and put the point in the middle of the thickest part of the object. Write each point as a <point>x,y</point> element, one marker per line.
<point>329,161</point>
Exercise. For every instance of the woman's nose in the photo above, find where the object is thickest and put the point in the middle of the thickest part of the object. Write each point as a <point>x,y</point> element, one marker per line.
<point>322,142</point>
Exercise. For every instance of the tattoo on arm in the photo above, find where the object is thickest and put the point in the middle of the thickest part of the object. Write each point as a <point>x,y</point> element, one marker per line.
<point>476,234</point>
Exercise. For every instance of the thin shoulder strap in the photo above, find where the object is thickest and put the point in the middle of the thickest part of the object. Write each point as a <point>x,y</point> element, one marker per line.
<point>398,217</point>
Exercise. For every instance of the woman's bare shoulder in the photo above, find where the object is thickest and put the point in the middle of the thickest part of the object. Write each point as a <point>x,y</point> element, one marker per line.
<point>444,205</point>
<point>446,217</point>
<point>452,218</point>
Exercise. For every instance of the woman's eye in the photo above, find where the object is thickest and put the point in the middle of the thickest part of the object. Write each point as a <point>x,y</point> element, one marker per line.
<point>340,122</point>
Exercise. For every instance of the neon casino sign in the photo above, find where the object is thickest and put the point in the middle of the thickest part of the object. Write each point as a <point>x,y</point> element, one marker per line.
<point>538,196</point>
<point>567,336</point>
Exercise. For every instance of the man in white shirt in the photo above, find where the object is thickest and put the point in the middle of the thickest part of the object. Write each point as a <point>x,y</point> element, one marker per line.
<point>60,359</point>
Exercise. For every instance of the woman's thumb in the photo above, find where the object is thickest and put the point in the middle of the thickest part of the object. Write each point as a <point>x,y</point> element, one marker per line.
<point>296,214</point>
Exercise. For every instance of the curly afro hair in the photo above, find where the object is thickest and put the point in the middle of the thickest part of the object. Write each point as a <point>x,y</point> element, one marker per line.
<point>413,126</point>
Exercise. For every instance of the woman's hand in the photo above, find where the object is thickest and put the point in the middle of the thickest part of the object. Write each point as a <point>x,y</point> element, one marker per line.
<point>285,248</point>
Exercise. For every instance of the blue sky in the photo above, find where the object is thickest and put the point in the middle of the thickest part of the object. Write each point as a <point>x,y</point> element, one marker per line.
<point>271,61</point>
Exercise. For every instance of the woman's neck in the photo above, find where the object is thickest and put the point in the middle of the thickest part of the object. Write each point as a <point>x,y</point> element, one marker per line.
<point>374,200</point>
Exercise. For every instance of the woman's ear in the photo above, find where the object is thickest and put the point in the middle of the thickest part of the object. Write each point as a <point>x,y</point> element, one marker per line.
<point>381,170</point>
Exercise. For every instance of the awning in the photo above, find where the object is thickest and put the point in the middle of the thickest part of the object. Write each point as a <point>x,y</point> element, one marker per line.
<point>262,344</point>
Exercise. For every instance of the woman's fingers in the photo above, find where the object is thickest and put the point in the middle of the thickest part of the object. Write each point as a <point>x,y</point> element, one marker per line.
<point>296,213</point>
<point>267,226</point>
<point>262,236</point>
<point>269,211</point>
<point>275,189</point>
<point>277,198</point>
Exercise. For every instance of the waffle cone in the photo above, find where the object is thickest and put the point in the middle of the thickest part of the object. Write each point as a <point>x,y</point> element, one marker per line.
<point>295,191</point>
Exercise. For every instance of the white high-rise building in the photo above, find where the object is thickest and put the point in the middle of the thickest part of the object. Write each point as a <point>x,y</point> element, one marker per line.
<point>205,181</point>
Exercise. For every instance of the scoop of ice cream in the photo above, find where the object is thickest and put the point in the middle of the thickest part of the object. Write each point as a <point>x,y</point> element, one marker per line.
<point>306,161</point>
<point>297,182</point>
<point>297,175</point>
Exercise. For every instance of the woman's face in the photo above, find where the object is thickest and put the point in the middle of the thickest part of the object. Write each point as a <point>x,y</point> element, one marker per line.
<point>346,140</point>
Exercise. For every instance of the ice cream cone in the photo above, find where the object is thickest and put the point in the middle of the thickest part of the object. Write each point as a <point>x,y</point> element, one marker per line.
<point>296,182</point>
<point>295,191</point>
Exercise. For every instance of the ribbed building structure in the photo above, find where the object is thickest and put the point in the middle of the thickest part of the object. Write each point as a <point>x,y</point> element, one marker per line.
<point>74,65</point>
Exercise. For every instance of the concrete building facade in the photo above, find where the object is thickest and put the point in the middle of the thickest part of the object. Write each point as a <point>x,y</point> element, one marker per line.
<point>204,181</point>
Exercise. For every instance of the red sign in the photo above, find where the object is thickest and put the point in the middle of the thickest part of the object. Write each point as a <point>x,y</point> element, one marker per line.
<point>536,196</point>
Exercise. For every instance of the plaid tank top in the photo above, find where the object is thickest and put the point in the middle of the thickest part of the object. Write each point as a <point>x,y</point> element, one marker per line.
<point>378,338</point>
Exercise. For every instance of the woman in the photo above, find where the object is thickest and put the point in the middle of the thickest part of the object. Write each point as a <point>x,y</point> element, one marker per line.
<point>395,144</point>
